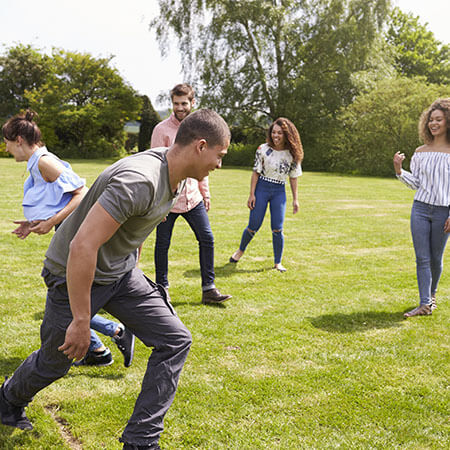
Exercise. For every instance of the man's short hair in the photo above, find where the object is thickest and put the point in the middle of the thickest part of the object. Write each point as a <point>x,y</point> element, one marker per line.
<point>182,89</point>
<point>203,124</point>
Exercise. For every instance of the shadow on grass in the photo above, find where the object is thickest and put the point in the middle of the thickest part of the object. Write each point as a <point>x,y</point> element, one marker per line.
<point>8,366</point>
<point>175,303</point>
<point>357,322</point>
<point>91,372</point>
<point>39,316</point>
<point>225,271</point>
<point>20,439</point>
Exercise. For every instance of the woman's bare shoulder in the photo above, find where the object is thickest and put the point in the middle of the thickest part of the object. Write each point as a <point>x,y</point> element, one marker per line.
<point>423,148</point>
<point>433,149</point>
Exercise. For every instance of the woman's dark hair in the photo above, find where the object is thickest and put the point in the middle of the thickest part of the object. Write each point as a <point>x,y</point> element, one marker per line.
<point>291,137</point>
<point>442,104</point>
<point>23,125</point>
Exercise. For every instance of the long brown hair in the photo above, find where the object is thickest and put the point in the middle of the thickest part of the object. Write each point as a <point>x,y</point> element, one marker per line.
<point>291,137</point>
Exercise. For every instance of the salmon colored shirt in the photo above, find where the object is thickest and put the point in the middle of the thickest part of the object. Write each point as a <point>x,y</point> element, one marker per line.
<point>195,191</point>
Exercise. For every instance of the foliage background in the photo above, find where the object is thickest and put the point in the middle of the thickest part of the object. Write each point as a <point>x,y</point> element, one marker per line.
<point>310,61</point>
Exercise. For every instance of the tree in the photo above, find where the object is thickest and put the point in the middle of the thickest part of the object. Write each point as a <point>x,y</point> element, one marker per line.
<point>83,106</point>
<point>149,119</point>
<point>22,69</point>
<point>381,122</point>
<point>418,52</point>
<point>255,60</point>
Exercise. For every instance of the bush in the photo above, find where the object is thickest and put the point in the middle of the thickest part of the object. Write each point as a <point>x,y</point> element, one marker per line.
<point>240,155</point>
<point>381,122</point>
<point>3,152</point>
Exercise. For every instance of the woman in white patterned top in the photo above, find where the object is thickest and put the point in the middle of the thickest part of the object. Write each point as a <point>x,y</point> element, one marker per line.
<point>275,161</point>
<point>430,221</point>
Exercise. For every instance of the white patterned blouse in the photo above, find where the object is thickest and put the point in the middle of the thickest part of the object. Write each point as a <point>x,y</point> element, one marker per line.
<point>275,165</point>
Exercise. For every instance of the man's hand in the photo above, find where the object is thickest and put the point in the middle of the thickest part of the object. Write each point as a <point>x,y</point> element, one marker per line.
<point>23,230</point>
<point>207,202</point>
<point>78,338</point>
<point>295,207</point>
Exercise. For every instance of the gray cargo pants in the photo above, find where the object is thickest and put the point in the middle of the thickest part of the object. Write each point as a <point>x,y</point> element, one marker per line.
<point>144,308</point>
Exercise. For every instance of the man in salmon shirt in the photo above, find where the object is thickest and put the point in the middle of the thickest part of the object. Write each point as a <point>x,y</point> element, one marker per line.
<point>193,204</point>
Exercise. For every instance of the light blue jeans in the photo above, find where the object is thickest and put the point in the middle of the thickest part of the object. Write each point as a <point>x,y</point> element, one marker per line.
<point>429,239</point>
<point>104,326</point>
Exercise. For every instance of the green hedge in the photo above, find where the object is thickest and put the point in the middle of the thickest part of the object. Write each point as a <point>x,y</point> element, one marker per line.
<point>3,152</point>
<point>240,155</point>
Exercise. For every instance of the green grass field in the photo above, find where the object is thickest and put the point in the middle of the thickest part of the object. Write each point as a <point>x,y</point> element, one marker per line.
<point>317,357</point>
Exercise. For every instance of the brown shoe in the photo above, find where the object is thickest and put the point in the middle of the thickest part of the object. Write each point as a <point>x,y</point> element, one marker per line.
<point>213,296</point>
<point>421,310</point>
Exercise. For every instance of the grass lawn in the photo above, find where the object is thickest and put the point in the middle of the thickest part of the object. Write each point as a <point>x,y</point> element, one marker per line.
<point>317,357</point>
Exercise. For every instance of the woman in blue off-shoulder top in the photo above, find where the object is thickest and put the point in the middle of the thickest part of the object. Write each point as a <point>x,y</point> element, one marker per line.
<point>51,192</point>
<point>430,221</point>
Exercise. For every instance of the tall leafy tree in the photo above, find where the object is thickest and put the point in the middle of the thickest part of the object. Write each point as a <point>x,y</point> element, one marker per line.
<point>83,106</point>
<point>418,52</point>
<point>149,119</point>
<point>255,60</point>
<point>22,69</point>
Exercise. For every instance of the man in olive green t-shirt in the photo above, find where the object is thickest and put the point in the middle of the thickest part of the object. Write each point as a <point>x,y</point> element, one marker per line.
<point>91,264</point>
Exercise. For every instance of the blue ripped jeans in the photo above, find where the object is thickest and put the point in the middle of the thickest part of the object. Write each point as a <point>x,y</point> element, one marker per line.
<point>429,239</point>
<point>274,194</point>
<point>104,326</point>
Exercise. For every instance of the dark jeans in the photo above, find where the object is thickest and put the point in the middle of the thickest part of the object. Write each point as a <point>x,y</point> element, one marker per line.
<point>197,218</point>
<point>141,306</point>
<point>429,239</point>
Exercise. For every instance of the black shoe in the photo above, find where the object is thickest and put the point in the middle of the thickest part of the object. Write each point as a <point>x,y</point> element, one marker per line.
<point>213,296</point>
<point>141,447</point>
<point>125,343</point>
<point>99,359</point>
<point>13,416</point>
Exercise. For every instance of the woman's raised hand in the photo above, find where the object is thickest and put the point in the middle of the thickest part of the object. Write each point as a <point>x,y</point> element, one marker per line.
<point>398,160</point>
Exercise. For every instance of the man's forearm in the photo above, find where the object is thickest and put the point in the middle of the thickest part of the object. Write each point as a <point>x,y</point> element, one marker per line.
<point>81,265</point>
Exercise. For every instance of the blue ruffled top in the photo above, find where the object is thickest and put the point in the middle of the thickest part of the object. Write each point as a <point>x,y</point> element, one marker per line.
<point>41,199</point>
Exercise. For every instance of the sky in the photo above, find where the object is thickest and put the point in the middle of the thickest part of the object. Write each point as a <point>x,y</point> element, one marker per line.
<point>121,28</point>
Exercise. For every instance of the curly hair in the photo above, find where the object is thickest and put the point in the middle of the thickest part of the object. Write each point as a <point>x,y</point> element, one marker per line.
<point>23,125</point>
<point>442,104</point>
<point>291,137</point>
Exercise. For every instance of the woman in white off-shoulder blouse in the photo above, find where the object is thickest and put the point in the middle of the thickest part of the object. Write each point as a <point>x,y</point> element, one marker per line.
<point>430,221</point>
<point>276,161</point>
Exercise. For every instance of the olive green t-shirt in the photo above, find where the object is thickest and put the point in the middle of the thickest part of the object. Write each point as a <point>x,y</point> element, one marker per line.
<point>136,192</point>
